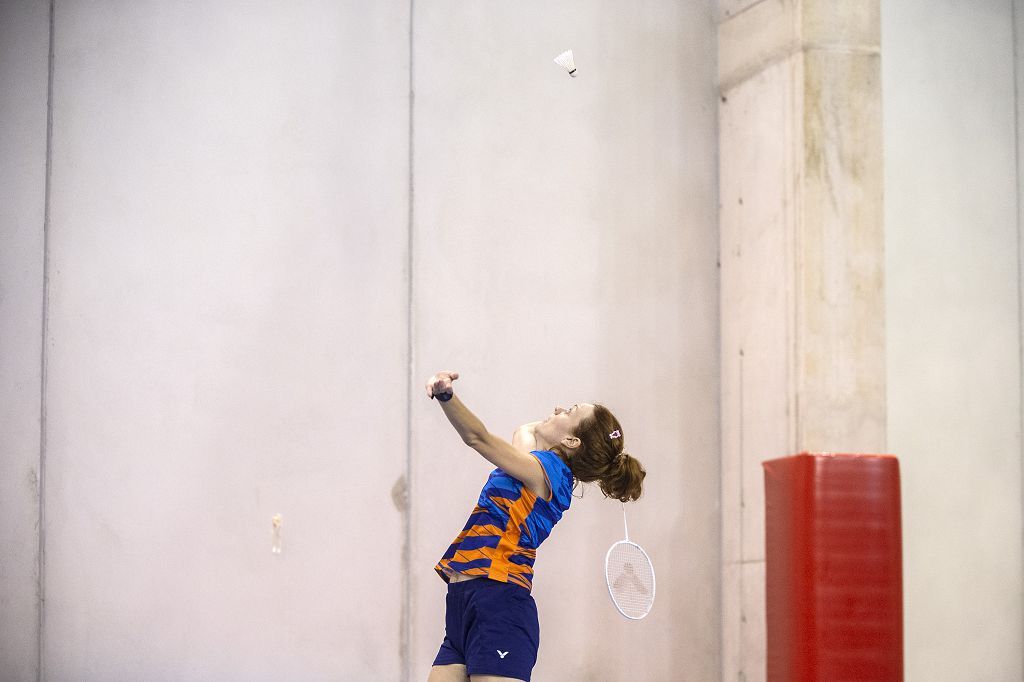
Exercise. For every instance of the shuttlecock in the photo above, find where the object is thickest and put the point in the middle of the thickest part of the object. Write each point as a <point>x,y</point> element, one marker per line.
<point>565,60</point>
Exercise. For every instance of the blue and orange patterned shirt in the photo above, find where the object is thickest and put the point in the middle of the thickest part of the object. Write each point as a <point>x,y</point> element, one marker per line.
<point>509,522</point>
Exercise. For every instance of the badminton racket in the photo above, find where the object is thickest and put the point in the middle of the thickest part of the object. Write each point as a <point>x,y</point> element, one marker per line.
<point>630,576</point>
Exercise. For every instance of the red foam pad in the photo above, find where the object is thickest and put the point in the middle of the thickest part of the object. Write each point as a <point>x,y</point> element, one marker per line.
<point>834,579</point>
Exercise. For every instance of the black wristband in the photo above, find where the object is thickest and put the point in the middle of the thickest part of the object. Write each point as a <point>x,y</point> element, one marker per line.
<point>444,397</point>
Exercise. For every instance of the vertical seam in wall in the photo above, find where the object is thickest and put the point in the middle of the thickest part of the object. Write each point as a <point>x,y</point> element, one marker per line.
<point>1015,35</point>
<point>741,659</point>
<point>712,20</point>
<point>722,362</point>
<point>406,624</point>
<point>793,243</point>
<point>41,478</point>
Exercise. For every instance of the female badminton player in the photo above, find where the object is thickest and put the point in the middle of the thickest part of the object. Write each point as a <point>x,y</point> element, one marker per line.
<point>491,626</point>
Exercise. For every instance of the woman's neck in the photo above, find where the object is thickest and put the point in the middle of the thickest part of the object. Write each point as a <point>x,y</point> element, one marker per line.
<point>542,443</point>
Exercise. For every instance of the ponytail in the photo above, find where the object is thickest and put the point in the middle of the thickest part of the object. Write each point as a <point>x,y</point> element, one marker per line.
<point>600,457</point>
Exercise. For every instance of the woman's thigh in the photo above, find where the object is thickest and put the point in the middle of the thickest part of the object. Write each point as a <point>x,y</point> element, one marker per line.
<point>456,672</point>
<point>493,678</point>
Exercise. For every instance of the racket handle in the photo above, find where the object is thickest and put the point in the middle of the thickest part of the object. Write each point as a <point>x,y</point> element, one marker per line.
<point>443,397</point>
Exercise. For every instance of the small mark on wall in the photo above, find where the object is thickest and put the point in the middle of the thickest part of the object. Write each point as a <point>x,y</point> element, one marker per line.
<point>400,494</point>
<point>33,483</point>
<point>275,533</point>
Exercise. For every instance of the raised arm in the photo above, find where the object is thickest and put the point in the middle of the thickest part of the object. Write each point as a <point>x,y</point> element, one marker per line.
<point>514,461</point>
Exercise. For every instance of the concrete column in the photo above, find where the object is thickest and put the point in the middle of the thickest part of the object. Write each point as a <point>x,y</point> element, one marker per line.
<point>802,276</point>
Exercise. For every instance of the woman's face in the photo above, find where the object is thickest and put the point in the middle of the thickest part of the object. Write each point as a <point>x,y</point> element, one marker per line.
<point>562,423</point>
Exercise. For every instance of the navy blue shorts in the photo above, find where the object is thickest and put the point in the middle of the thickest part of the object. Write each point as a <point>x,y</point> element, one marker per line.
<point>490,627</point>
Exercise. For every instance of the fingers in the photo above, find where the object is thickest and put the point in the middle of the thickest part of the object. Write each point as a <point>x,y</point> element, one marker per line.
<point>440,383</point>
<point>447,386</point>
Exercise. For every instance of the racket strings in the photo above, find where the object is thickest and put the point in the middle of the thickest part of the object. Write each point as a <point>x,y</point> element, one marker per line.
<point>630,578</point>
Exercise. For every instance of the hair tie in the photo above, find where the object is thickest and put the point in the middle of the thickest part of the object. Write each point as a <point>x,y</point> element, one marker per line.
<point>615,434</point>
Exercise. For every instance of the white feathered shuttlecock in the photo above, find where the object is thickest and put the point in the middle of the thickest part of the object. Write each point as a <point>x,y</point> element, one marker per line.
<point>565,61</point>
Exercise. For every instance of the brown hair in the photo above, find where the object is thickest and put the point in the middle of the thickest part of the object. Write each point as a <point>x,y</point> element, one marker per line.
<point>601,458</point>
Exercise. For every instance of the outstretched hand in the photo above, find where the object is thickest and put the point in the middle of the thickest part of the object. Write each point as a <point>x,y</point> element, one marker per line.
<point>441,384</point>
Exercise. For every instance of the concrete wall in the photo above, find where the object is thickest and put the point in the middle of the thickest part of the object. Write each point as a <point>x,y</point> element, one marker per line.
<point>229,325</point>
<point>226,187</point>
<point>227,334</point>
<point>245,293</point>
<point>954,339</point>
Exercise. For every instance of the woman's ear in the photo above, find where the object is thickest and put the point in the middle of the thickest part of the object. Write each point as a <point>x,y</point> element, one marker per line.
<point>571,442</point>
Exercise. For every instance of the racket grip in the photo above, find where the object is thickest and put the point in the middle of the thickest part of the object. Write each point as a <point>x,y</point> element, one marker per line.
<point>443,397</point>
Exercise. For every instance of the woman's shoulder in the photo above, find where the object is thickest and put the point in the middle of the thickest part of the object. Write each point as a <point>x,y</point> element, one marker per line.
<point>557,475</point>
<point>552,458</point>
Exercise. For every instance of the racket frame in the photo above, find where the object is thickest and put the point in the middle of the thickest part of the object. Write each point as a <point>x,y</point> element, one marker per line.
<point>607,578</point>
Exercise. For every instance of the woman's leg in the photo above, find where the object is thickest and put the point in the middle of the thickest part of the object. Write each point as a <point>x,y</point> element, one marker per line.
<point>456,672</point>
<point>493,678</point>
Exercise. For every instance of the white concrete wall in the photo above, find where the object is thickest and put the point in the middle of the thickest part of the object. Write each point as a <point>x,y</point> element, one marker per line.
<point>229,325</point>
<point>954,342</point>
<point>227,340</point>
<point>24,55</point>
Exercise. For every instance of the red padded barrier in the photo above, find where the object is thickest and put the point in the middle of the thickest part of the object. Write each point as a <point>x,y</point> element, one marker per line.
<point>834,578</point>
